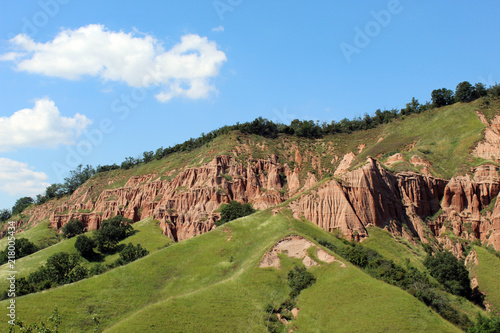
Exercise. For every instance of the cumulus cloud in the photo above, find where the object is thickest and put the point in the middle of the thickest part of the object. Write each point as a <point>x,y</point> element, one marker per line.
<point>183,70</point>
<point>220,28</point>
<point>41,126</point>
<point>18,179</point>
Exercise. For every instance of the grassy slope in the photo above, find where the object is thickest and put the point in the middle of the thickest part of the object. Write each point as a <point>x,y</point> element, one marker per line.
<point>148,234</point>
<point>488,274</point>
<point>211,284</point>
<point>399,250</point>
<point>41,235</point>
<point>443,136</point>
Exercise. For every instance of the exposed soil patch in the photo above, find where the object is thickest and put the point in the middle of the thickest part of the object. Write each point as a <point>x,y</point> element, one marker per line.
<point>295,247</point>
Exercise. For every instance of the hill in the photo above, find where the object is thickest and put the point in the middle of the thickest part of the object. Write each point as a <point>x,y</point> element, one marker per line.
<point>415,185</point>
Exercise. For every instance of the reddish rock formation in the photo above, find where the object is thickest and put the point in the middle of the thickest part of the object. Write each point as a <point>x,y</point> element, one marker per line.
<point>345,164</point>
<point>489,148</point>
<point>371,195</point>
<point>185,205</point>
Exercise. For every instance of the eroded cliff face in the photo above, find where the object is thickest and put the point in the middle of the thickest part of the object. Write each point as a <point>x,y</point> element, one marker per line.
<point>371,195</point>
<point>185,205</point>
<point>405,203</point>
<point>413,205</point>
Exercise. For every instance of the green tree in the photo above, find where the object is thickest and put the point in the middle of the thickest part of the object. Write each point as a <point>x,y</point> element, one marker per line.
<point>65,268</point>
<point>21,204</point>
<point>449,271</point>
<point>111,232</point>
<point>85,245</point>
<point>232,211</point>
<point>412,107</point>
<point>481,90</point>
<point>23,248</point>
<point>442,97</point>
<point>465,92</point>
<point>54,191</point>
<point>77,177</point>
<point>5,214</point>
<point>148,156</point>
<point>130,253</point>
<point>72,228</point>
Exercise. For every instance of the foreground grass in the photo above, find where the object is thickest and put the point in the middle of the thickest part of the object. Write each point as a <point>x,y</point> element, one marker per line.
<point>212,283</point>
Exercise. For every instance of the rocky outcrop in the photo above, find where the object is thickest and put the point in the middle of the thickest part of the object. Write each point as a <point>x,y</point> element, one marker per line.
<point>345,164</point>
<point>467,207</point>
<point>185,205</point>
<point>371,195</point>
<point>489,148</point>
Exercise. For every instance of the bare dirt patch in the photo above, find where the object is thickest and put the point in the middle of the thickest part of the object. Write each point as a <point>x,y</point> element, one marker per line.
<point>295,247</point>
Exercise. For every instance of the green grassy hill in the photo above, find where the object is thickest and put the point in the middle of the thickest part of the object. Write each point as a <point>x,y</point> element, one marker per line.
<point>212,283</point>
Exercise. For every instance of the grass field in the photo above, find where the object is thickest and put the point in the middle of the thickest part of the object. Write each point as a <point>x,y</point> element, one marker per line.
<point>212,283</point>
<point>148,234</point>
<point>443,136</point>
<point>42,235</point>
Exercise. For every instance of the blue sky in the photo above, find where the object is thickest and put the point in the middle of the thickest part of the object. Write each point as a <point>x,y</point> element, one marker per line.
<point>93,82</point>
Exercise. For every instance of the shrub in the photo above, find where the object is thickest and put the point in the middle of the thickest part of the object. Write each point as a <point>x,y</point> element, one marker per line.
<point>97,269</point>
<point>72,228</point>
<point>131,253</point>
<point>111,232</point>
<point>232,211</point>
<point>451,272</point>
<point>299,279</point>
<point>23,247</point>
<point>85,246</point>
<point>485,325</point>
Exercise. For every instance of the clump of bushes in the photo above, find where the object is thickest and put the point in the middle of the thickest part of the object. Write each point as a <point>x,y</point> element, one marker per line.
<point>232,211</point>
<point>298,279</point>
<point>111,232</point>
<point>131,253</point>
<point>485,325</point>
<point>407,278</point>
<point>22,248</point>
<point>450,272</point>
<point>60,268</point>
<point>72,228</point>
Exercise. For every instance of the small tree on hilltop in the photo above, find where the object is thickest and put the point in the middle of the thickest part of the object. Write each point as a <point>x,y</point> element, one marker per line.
<point>465,92</point>
<point>5,214</point>
<point>442,97</point>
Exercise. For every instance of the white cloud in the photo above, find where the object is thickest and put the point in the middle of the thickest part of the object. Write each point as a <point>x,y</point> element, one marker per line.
<point>17,178</point>
<point>220,28</point>
<point>41,126</point>
<point>183,70</point>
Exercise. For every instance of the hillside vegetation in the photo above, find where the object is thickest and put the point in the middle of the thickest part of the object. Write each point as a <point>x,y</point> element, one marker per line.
<point>212,283</point>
